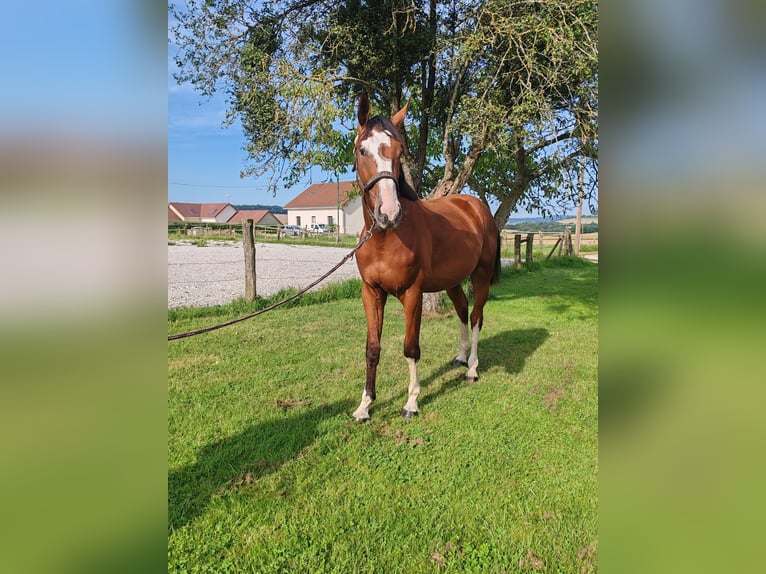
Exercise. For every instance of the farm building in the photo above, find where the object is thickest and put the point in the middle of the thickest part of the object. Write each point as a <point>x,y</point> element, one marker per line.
<point>328,203</point>
<point>259,217</point>
<point>201,212</point>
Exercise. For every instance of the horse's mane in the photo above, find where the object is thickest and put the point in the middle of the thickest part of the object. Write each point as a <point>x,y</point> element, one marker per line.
<point>385,124</point>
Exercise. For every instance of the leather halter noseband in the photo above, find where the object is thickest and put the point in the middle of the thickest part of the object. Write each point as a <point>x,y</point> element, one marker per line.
<point>376,178</point>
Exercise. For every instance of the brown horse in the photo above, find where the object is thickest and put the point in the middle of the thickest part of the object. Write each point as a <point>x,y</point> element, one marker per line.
<point>416,247</point>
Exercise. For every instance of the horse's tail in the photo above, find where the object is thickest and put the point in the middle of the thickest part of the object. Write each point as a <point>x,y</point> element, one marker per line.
<point>496,271</point>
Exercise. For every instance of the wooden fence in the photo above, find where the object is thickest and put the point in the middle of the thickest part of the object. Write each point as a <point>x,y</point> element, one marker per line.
<point>556,241</point>
<point>235,230</point>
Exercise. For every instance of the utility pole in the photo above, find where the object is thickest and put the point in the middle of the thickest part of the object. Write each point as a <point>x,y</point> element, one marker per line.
<point>578,221</point>
<point>337,218</point>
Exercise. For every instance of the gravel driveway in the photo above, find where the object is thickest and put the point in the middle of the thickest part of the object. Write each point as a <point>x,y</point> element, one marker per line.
<point>215,274</point>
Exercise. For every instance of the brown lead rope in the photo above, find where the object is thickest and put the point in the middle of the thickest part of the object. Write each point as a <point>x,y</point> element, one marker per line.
<point>283,301</point>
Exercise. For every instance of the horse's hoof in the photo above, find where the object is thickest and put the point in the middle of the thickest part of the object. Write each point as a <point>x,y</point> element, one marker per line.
<point>362,419</point>
<point>457,363</point>
<point>409,414</point>
<point>471,379</point>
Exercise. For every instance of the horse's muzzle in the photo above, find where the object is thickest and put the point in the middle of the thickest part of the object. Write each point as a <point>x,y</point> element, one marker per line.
<point>389,220</point>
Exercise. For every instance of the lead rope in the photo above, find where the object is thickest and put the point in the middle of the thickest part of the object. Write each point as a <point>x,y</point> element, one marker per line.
<point>362,241</point>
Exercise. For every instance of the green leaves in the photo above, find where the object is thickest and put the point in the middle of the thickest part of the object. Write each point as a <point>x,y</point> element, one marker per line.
<point>484,78</point>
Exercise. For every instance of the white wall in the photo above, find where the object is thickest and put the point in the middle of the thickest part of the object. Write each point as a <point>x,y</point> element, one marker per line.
<point>351,220</point>
<point>222,217</point>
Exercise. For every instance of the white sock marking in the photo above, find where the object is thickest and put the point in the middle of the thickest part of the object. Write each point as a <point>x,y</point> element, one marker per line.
<point>473,360</point>
<point>465,343</point>
<point>414,388</point>
<point>362,413</point>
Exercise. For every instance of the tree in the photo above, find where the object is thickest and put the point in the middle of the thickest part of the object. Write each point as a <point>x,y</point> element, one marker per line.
<point>503,93</point>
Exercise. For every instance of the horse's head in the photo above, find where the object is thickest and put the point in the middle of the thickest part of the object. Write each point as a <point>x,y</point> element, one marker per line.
<point>377,157</point>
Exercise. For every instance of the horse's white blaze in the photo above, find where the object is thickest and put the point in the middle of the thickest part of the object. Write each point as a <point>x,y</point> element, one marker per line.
<point>473,360</point>
<point>363,412</point>
<point>389,202</point>
<point>414,389</point>
<point>465,343</point>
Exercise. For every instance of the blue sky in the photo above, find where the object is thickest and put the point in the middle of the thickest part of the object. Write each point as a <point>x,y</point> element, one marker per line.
<point>81,67</point>
<point>205,159</point>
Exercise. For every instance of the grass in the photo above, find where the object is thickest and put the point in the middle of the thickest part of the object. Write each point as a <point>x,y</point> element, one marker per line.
<point>506,251</point>
<point>268,472</point>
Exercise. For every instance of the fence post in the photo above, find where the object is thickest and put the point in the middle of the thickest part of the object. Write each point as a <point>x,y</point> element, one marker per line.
<point>568,241</point>
<point>517,250</point>
<point>249,244</point>
<point>530,244</point>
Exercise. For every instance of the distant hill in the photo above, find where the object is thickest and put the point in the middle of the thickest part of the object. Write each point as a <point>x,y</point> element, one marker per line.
<point>541,224</point>
<point>586,219</point>
<point>560,219</point>
<point>512,220</point>
<point>271,208</point>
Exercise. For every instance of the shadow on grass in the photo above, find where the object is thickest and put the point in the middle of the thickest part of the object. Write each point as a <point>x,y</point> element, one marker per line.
<point>569,281</point>
<point>509,349</point>
<point>239,460</point>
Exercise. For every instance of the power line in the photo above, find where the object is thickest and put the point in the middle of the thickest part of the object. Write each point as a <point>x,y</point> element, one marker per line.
<point>252,187</point>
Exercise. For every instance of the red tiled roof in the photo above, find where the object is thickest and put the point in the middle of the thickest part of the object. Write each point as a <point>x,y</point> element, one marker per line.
<point>213,209</point>
<point>198,209</point>
<point>255,214</point>
<point>322,195</point>
<point>172,216</point>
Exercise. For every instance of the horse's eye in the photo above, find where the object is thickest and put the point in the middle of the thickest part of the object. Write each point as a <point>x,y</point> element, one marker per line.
<point>362,151</point>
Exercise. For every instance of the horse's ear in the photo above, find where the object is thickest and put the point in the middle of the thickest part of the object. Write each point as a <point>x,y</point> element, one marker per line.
<point>363,111</point>
<point>398,118</point>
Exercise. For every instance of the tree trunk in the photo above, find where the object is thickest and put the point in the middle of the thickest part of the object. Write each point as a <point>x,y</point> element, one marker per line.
<point>428,83</point>
<point>578,221</point>
<point>433,302</point>
<point>449,185</point>
<point>507,205</point>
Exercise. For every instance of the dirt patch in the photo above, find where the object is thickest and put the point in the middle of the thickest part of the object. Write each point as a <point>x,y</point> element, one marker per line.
<point>587,557</point>
<point>292,404</point>
<point>531,562</point>
<point>401,437</point>
<point>551,399</point>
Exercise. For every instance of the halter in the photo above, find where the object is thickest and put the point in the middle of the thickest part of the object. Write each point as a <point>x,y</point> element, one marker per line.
<point>376,178</point>
<point>368,186</point>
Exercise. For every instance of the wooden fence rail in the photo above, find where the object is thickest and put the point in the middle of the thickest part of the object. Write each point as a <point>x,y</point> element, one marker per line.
<point>562,241</point>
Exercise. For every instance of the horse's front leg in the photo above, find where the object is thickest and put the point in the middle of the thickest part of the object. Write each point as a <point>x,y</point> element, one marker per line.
<point>413,311</point>
<point>374,301</point>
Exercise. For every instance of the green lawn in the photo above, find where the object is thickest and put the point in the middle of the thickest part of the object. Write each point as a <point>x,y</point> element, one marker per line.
<point>268,472</point>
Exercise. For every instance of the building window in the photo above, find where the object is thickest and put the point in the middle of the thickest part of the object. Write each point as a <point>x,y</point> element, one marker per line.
<point>329,221</point>
<point>313,219</point>
<point>298,220</point>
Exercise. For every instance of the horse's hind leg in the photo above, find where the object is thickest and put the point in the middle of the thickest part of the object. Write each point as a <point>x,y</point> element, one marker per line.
<point>480,296</point>
<point>459,300</point>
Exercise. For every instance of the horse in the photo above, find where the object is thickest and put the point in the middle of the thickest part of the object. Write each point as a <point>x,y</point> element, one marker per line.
<point>416,246</point>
